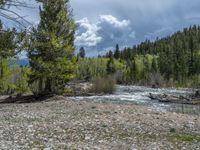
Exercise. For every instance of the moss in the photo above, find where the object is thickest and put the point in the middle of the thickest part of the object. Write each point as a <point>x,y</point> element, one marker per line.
<point>187,138</point>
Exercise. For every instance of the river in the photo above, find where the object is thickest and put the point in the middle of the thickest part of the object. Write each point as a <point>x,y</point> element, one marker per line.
<point>139,95</point>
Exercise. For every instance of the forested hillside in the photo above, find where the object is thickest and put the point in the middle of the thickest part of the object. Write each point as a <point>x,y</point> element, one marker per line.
<point>170,61</point>
<point>179,53</point>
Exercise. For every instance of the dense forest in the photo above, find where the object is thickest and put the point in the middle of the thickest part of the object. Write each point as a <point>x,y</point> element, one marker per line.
<point>178,56</point>
<point>170,61</point>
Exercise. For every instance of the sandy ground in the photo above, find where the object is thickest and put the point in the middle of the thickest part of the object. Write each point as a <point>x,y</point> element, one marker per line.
<point>66,124</point>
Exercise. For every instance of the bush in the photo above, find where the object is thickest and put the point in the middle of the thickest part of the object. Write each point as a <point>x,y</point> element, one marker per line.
<point>155,79</point>
<point>21,82</point>
<point>103,85</point>
<point>196,81</point>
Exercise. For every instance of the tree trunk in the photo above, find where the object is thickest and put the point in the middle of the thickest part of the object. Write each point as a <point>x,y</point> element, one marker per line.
<point>48,89</point>
<point>1,68</point>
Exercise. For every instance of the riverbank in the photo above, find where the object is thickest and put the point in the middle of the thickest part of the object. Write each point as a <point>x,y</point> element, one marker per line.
<point>62,123</point>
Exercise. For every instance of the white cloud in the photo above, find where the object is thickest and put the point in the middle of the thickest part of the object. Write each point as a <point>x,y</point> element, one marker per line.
<point>87,33</point>
<point>105,33</point>
<point>114,21</point>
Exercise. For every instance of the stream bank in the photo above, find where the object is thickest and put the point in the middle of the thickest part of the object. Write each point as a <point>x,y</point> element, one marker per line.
<point>140,95</point>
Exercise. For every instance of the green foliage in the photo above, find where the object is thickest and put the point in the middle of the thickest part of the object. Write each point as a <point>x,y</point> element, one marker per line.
<point>187,138</point>
<point>9,41</point>
<point>176,58</point>
<point>5,77</point>
<point>195,81</point>
<point>51,49</point>
<point>13,79</point>
<point>90,69</point>
<point>22,81</point>
<point>110,66</point>
<point>141,66</point>
<point>154,67</point>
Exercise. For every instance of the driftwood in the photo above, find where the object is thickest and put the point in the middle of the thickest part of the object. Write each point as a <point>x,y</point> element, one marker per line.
<point>191,99</point>
<point>79,88</point>
<point>28,98</point>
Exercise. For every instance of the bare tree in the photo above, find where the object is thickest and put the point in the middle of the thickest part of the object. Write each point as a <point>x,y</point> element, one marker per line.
<point>8,13</point>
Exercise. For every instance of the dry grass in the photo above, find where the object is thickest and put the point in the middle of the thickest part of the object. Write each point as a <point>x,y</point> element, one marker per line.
<point>104,85</point>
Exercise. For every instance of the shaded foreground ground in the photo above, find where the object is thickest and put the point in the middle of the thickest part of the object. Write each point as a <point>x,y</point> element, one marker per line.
<point>66,124</point>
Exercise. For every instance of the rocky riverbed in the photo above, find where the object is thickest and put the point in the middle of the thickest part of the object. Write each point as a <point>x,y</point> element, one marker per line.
<point>62,123</point>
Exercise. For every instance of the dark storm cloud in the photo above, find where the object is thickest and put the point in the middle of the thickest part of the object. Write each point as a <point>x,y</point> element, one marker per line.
<point>147,18</point>
<point>139,19</point>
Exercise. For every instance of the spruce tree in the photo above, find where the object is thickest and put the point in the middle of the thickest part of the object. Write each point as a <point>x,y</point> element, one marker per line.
<point>82,52</point>
<point>154,66</point>
<point>117,52</point>
<point>110,67</point>
<point>52,48</point>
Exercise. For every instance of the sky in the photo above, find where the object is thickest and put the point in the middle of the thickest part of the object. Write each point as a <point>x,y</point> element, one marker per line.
<point>104,23</point>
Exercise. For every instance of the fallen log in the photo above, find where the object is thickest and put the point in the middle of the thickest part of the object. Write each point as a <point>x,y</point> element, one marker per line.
<point>174,99</point>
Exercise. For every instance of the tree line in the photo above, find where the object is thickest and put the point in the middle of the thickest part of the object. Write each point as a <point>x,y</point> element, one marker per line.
<point>170,61</point>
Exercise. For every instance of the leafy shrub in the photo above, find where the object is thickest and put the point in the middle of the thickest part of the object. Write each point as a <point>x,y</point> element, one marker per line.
<point>196,81</point>
<point>155,79</point>
<point>21,82</point>
<point>91,68</point>
<point>103,85</point>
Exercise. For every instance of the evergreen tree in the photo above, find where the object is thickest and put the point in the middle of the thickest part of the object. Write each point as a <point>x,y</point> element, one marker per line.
<point>177,55</point>
<point>110,66</point>
<point>52,48</point>
<point>154,67</point>
<point>117,52</point>
<point>82,52</point>
<point>109,54</point>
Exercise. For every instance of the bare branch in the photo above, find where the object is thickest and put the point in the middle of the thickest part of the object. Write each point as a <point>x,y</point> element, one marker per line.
<point>7,13</point>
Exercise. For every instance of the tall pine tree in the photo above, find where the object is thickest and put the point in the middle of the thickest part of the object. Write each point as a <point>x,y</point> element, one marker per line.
<point>52,48</point>
<point>117,52</point>
<point>82,52</point>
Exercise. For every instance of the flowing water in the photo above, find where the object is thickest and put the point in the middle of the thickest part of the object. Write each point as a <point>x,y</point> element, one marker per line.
<point>139,95</point>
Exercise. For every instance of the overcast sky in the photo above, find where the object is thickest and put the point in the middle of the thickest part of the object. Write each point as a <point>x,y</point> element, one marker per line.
<point>104,23</point>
